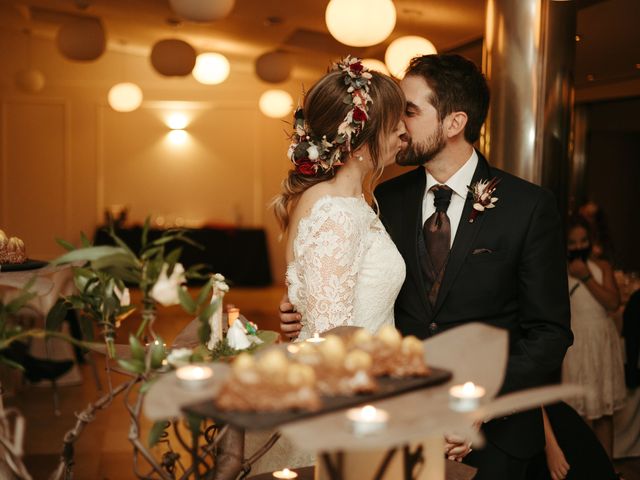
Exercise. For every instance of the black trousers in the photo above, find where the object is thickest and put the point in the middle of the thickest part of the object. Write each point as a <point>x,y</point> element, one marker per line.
<point>494,464</point>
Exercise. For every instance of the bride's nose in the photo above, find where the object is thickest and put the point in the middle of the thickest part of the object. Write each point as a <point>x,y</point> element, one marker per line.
<point>402,129</point>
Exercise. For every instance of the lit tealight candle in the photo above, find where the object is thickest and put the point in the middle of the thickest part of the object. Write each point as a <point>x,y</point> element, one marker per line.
<point>285,473</point>
<point>315,339</point>
<point>194,376</point>
<point>465,398</point>
<point>293,349</point>
<point>367,420</point>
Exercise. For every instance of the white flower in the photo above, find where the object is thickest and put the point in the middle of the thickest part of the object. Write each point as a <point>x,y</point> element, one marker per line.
<point>237,337</point>
<point>179,357</point>
<point>165,290</point>
<point>292,148</point>
<point>219,277</point>
<point>123,295</point>
<point>313,152</point>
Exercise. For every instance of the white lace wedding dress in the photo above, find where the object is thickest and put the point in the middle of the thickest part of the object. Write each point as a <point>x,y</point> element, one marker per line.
<point>346,271</point>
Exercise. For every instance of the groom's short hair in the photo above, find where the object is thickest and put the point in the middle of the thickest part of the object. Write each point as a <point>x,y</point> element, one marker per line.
<point>458,86</point>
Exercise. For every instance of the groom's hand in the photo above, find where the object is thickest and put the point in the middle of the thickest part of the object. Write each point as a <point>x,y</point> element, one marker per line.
<point>456,447</point>
<point>289,319</point>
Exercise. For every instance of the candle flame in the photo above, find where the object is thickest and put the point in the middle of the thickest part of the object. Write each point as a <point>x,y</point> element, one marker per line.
<point>468,388</point>
<point>316,335</point>
<point>368,412</point>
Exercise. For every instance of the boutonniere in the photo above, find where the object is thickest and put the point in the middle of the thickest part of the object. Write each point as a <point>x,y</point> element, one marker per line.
<point>483,198</point>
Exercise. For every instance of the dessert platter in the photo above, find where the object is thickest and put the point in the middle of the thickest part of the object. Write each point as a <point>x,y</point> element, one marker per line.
<point>13,256</point>
<point>300,380</point>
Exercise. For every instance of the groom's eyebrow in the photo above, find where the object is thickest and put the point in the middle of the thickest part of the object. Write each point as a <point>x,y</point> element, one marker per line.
<point>412,106</point>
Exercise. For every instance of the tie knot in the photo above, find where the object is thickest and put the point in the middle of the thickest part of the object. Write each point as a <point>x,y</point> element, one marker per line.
<point>441,197</point>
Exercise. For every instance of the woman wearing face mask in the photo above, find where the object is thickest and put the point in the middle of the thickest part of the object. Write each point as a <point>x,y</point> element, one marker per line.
<point>595,359</point>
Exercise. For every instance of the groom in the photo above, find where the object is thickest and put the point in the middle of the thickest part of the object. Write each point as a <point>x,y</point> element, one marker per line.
<point>500,262</point>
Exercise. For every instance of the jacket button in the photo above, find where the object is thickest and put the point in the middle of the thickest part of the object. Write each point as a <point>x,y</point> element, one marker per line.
<point>433,328</point>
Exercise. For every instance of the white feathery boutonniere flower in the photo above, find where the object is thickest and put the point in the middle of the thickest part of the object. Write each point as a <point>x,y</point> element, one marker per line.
<point>483,198</point>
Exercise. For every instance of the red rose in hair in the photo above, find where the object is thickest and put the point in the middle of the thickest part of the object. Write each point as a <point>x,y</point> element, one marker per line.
<point>306,167</point>
<point>359,115</point>
<point>356,67</point>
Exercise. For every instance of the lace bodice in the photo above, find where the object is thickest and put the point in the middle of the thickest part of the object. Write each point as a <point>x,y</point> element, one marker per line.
<point>346,269</point>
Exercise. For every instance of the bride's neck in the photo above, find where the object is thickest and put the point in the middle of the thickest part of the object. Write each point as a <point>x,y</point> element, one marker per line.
<point>350,177</point>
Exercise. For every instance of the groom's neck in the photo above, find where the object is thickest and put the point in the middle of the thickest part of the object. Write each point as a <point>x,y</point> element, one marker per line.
<point>451,159</point>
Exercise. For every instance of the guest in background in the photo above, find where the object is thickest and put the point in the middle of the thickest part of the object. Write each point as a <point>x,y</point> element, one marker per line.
<point>601,245</point>
<point>595,359</point>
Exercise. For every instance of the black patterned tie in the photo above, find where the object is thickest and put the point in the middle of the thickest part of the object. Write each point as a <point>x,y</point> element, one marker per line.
<point>437,239</point>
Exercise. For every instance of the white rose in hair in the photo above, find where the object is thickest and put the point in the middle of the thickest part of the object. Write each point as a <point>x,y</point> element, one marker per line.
<point>165,290</point>
<point>313,152</point>
<point>124,296</point>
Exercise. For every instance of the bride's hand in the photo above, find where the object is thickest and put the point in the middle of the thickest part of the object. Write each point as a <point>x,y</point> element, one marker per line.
<point>456,448</point>
<point>289,319</point>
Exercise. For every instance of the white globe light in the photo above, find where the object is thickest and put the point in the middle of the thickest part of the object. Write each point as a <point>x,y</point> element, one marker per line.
<point>30,80</point>
<point>360,23</point>
<point>374,64</point>
<point>211,68</point>
<point>125,97</point>
<point>400,52</point>
<point>178,137</point>
<point>202,10</point>
<point>276,103</point>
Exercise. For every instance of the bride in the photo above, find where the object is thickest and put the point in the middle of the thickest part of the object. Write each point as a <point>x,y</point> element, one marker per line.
<point>343,268</point>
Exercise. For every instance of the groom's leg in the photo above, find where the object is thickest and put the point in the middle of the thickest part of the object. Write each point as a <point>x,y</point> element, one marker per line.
<point>494,464</point>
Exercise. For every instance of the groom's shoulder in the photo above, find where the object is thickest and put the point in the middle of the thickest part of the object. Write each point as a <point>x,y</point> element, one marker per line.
<point>398,184</point>
<point>519,187</point>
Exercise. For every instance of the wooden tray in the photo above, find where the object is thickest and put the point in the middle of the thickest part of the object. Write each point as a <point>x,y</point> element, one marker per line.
<point>388,387</point>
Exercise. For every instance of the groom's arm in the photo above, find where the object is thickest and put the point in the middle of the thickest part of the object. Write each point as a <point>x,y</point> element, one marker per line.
<point>544,316</point>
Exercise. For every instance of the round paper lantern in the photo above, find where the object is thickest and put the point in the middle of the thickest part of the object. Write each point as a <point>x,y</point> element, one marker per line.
<point>400,52</point>
<point>276,103</point>
<point>173,57</point>
<point>360,23</point>
<point>82,39</point>
<point>273,67</point>
<point>202,10</point>
<point>374,64</point>
<point>30,80</point>
<point>125,97</point>
<point>211,68</point>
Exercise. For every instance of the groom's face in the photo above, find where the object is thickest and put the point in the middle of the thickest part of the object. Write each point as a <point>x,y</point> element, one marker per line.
<point>422,122</point>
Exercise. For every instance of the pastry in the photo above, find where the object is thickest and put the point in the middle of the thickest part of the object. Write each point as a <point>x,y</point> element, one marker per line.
<point>11,249</point>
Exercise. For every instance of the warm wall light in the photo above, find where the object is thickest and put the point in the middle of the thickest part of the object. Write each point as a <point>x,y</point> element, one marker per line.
<point>211,68</point>
<point>276,103</point>
<point>177,121</point>
<point>349,24</point>
<point>400,52</point>
<point>178,137</point>
<point>375,64</point>
<point>125,97</point>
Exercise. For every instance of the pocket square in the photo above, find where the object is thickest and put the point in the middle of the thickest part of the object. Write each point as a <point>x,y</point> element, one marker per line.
<point>479,251</point>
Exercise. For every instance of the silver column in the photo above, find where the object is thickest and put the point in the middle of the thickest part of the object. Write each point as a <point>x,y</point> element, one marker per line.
<point>528,60</point>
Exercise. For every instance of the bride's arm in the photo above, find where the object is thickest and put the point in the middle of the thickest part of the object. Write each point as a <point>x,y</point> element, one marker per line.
<point>328,257</point>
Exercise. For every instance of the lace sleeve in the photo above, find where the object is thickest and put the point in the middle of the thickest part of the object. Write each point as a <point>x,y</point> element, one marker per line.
<point>328,257</point>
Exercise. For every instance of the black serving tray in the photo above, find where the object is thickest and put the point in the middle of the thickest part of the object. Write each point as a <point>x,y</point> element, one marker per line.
<point>18,267</point>
<point>388,387</point>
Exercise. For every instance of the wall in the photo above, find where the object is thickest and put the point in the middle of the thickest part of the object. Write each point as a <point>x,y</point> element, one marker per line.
<point>65,155</point>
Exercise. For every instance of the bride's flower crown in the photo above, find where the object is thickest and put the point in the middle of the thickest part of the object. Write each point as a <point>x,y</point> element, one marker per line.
<point>311,154</point>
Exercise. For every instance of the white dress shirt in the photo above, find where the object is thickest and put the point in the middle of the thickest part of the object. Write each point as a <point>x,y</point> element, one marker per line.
<point>458,182</point>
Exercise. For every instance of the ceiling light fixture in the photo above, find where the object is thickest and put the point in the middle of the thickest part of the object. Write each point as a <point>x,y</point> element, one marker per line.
<point>348,25</point>
<point>211,68</point>
<point>125,97</point>
<point>276,103</point>
<point>400,52</point>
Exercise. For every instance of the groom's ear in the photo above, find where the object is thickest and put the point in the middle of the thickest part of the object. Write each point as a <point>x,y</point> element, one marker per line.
<point>455,123</point>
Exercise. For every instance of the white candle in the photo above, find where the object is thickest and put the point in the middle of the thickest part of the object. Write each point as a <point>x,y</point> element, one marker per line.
<point>465,398</point>
<point>315,339</point>
<point>293,349</point>
<point>285,473</point>
<point>194,377</point>
<point>367,420</point>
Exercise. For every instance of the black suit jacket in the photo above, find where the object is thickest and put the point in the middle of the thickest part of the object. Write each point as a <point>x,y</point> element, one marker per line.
<point>506,269</point>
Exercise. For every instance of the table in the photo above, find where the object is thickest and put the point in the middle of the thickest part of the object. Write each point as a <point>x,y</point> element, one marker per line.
<point>240,254</point>
<point>51,283</point>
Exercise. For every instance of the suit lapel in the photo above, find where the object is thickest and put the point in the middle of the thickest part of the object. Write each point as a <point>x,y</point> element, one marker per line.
<point>413,224</point>
<point>465,236</point>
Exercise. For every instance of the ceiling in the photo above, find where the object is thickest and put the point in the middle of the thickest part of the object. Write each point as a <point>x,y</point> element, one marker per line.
<point>608,51</point>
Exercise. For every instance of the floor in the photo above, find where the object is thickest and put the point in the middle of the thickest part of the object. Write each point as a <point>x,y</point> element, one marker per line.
<point>103,452</point>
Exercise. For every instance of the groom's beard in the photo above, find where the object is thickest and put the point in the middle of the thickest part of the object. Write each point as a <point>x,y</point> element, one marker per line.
<point>421,153</point>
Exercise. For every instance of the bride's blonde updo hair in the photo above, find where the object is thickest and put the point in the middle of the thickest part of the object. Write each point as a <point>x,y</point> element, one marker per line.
<point>325,110</point>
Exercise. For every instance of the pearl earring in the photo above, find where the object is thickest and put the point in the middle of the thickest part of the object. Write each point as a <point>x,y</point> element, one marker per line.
<point>360,158</point>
